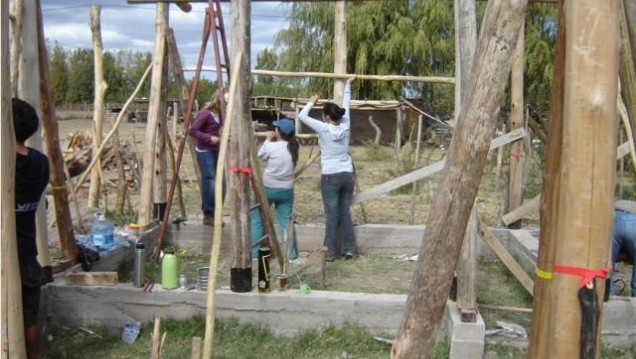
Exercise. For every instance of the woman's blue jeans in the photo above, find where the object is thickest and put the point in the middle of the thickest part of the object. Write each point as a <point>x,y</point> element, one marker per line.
<point>624,239</point>
<point>283,201</point>
<point>337,196</point>
<point>207,165</point>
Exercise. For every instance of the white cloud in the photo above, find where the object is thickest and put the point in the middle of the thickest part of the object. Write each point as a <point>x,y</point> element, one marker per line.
<point>132,27</point>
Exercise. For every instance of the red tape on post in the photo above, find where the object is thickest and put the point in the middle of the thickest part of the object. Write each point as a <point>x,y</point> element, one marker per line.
<point>587,275</point>
<point>244,170</point>
<point>515,154</point>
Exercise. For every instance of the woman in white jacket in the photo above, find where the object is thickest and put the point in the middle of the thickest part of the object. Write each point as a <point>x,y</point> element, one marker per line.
<point>337,180</point>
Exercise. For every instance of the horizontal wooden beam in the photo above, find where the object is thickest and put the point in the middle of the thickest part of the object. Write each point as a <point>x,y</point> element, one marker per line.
<point>426,171</point>
<point>205,1</point>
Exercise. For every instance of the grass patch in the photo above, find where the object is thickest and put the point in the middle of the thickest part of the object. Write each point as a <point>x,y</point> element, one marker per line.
<point>497,286</point>
<point>232,340</point>
<point>377,153</point>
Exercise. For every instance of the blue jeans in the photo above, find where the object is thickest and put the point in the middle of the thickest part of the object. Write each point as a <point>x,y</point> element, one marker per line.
<point>624,240</point>
<point>283,201</point>
<point>337,195</point>
<point>207,165</point>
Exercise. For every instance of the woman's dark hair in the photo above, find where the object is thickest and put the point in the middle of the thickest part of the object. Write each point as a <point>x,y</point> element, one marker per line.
<point>334,111</point>
<point>25,119</point>
<point>292,145</point>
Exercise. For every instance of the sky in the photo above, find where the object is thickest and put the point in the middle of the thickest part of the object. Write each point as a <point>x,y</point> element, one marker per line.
<point>132,27</point>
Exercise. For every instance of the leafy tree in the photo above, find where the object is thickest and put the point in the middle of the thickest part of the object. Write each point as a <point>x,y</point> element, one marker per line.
<point>58,73</point>
<point>81,78</point>
<point>114,77</point>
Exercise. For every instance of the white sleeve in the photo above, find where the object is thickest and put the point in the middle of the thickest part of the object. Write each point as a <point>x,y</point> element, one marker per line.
<point>317,126</point>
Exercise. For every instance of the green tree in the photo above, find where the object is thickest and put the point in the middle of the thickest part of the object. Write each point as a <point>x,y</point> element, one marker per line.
<point>114,77</point>
<point>81,79</point>
<point>58,73</point>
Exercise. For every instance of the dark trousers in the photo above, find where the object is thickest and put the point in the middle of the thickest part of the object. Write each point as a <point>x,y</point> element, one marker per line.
<point>337,196</point>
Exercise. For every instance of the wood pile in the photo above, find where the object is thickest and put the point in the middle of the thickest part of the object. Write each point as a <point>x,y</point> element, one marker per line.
<point>78,155</point>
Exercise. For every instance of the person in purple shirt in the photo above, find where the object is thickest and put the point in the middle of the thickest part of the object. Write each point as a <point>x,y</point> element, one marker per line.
<point>206,129</point>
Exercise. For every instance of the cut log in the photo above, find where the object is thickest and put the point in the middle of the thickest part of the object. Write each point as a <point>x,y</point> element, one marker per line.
<point>92,278</point>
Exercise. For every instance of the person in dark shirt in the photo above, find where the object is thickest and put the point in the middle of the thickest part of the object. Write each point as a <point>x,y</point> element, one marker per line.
<point>31,178</point>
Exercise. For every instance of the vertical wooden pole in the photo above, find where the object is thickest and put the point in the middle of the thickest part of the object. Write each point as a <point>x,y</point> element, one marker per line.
<point>157,107</point>
<point>98,109</point>
<point>339,48</point>
<point>28,90</point>
<point>56,160</point>
<point>463,169</point>
<point>398,130</point>
<point>549,198</point>
<point>587,174</point>
<point>465,43</point>
<point>12,327</point>
<point>154,117</point>
<point>417,165</point>
<point>239,152</point>
<point>517,153</point>
<point>16,44</point>
<point>122,186</point>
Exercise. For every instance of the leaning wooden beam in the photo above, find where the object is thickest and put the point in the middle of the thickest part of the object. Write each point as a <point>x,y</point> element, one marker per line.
<point>218,215</point>
<point>12,327</point>
<point>502,253</point>
<point>56,160</point>
<point>110,134</point>
<point>622,110</point>
<point>423,172</point>
<point>455,196</point>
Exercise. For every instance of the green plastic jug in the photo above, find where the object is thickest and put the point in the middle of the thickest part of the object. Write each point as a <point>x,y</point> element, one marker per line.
<point>169,271</point>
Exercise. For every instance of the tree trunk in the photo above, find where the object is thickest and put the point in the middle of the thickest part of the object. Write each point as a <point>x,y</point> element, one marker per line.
<point>98,110</point>
<point>517,153</point>
<point>56,160</point>
<point>239,150</point>
<point>12,327</point>
<point>154,117</point>
<point>157,107</point>
<point>586,176</point>
<point>122,186</point>
<point>339,48</point>
<point>627,69</point>
<point>455,196</point>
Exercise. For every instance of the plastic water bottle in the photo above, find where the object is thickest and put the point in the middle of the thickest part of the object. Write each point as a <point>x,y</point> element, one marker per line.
<point>102,233</point>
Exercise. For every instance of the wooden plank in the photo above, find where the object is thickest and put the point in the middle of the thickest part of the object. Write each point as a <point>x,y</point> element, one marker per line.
<point>502,253</point>
<point>92,278</point>
<point>467,269</point>
<point>426,171</point>
<point>528,207</point>
<point>133,2</point>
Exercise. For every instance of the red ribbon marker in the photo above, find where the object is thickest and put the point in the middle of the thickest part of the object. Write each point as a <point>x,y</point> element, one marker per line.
<point>587,275</point>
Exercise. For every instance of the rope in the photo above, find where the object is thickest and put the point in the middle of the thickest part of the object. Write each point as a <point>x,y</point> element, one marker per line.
<point>241,170</point>
<point>587,275</point>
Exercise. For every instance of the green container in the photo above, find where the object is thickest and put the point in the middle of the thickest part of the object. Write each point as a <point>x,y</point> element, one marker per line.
<point>169,271</point>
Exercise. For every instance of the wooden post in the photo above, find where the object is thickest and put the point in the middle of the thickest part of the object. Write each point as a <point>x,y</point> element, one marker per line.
<point>417,164</point>
<point>456,194</point>
<point>154,117</point>
<point>16,43</point>
<point>173,165</point>
<point>339,48</point>
<point>56,160</point>
<point>398,130</point>
<point>157,107</point>
<point>28,90</point>
<point>177,72</point>
<point>196,348</point>
<point>517,153</point>
<point>467,271</point>
<point>98,108</point>
<point>12,327</point>
<point>122,186</point>
<point>378,131</point>
<point>585,205</point>
<point>465,43</point>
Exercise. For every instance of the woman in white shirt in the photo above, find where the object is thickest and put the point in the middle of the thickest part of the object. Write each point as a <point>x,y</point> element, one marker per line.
<point>337,180</point>
<point>280,152</point>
